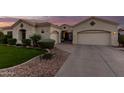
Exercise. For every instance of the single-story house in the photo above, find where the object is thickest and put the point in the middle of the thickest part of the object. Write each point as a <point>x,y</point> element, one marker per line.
<point>92,31</point>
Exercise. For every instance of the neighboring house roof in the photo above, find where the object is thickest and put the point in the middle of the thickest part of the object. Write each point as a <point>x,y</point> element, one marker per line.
<point>104,20</point>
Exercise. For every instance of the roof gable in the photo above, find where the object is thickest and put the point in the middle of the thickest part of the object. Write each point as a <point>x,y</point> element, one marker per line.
<point>65,25</point>
<point>24,21</point>
<point>96,18</point>
<point>34,23</point>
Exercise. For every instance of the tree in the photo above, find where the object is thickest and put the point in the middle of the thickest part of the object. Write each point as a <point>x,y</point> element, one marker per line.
<point>35,38</point>
<point>1,34</point>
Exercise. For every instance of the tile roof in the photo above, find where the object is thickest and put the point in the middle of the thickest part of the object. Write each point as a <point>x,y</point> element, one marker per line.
<point>35,23</point>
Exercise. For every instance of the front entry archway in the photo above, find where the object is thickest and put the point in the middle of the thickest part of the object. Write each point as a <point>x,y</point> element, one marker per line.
<point>66,37</point>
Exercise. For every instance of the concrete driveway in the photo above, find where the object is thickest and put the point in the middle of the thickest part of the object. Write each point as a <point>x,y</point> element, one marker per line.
<point>93,61</point>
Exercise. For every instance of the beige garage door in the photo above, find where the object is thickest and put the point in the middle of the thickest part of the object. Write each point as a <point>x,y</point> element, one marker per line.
<point>55,36</point>
<point>94,38</point>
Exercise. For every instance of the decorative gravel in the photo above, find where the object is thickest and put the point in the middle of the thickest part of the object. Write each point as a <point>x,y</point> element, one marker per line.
<point>44,68</point>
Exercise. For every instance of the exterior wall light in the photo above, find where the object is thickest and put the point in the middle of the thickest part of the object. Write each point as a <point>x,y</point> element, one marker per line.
<point>114,33</point>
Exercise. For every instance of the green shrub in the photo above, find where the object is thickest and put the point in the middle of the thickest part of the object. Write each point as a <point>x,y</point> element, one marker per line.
<point>12,41</point>
<point>47,43</point>
<point>35,38</point>
<point>26,42</point>
<point>1,35</point>
<point>121,39</point>
<point>9,36</point>
<point>48,56</point>
<point>3,40</point>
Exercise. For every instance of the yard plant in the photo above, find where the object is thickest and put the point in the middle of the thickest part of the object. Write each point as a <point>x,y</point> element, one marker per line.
<point>26,42</point>
<point>1,34</point>
<point>121,39</point>
<point>12,41</point>
<point>4,38</point>
<point>47,43</point>
<point>35,38</point>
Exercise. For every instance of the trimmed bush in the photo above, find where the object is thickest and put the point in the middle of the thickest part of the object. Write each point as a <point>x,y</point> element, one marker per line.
<point>46,43</point>
<point>35,38</point>
<point>121,39</point>
<point>26,42</point>
<point>3,40</point>
<point>12,41</point>
<point>1,35</point>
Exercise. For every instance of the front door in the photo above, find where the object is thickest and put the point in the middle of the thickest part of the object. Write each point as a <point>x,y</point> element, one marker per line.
<point>22,34</point>
<point>66,36</point>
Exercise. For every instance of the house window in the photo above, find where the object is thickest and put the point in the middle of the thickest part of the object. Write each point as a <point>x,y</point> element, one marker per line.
<point>21,25</point>
<point>9,34</point>
<point>64,27</point>
<point>92,23</point>
<point>42,31</point>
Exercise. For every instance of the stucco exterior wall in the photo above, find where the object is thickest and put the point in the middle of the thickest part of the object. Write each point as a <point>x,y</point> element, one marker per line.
<point>99,25</point>
<point>46,33</point>
<point>48,30</point>
<point>30,30</point>
<point>58,30</point>
<point>66,28</point>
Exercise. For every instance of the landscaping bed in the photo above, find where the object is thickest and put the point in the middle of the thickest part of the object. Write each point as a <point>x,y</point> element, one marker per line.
<point>33,57</point>
<point>42,68</point>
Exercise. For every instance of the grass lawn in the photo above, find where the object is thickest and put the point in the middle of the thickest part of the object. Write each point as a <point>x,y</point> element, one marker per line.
<point>11,56</point>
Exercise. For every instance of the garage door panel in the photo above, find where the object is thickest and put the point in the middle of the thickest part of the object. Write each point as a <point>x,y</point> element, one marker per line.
<point>94,38</point>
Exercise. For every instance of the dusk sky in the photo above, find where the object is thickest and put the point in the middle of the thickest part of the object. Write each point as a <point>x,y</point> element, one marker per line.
<point>58,20</point>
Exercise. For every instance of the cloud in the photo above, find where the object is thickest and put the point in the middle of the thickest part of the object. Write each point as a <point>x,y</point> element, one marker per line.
<point>32,17</point>
<point>58,20</point>
<point>9,20</point>
<point>3,24</point>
